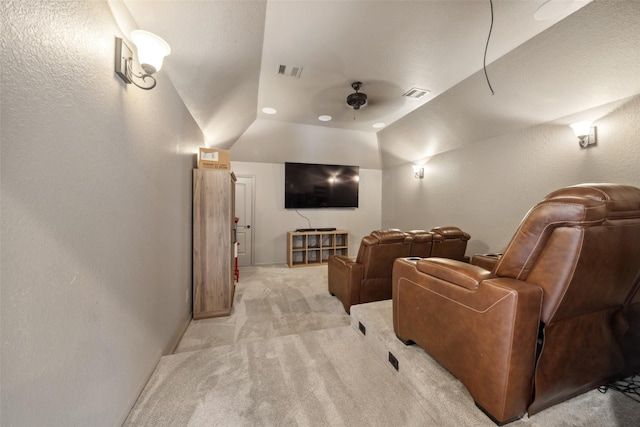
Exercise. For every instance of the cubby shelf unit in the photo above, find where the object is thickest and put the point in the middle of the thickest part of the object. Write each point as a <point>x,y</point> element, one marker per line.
<point>305,248</point>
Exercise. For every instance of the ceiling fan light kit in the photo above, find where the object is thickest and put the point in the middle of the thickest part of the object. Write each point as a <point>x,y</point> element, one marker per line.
<point>356,100</point>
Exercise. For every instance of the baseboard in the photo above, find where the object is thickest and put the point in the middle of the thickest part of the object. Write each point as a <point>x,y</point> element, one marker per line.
<point>137,391</point>
<point>268,264</point>
<point>178,338</point>
<point>147,375</point>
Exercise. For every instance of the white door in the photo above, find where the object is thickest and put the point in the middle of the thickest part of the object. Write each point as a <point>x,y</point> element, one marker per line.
<point>244,212</point>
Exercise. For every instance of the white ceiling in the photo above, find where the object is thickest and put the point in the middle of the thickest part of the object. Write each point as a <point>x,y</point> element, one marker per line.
<point>576,70</point>
<point>225,55</point>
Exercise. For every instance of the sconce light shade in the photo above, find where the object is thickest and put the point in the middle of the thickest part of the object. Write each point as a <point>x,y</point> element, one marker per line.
<point>585,133</point>
<point>418,171</point>
<point>151,50</point>
<point>581,128</point>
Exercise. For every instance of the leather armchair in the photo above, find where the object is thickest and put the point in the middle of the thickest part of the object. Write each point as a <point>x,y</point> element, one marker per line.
<point>450,243</point>
<point>422,242</point>
<point>486,261</point>
<point>558,316</point>
<point>368,278</point>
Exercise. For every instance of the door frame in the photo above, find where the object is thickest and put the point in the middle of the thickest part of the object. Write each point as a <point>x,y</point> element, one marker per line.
<point>252,213</point>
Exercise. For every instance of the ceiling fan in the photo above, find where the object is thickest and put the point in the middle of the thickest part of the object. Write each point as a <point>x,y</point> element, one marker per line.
<point>356,99</point>
<point>381,98</point>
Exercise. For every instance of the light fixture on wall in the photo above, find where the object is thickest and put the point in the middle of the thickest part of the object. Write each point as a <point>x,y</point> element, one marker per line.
<point>585,133</point>
<point>418,171</point>
<point>151,52</point>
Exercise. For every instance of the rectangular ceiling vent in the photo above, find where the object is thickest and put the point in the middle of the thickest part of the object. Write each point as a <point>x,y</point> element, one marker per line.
<point>416,93</point>
<point>289,71</point>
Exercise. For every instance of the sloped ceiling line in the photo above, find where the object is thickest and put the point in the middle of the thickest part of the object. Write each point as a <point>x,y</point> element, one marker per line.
<point>226,55</point>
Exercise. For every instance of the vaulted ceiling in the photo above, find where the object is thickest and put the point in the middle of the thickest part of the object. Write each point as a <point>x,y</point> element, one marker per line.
<point>226,56</point>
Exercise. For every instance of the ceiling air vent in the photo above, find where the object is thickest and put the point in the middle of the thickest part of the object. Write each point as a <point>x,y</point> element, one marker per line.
<point>289,71</point>
<point>416,93</point>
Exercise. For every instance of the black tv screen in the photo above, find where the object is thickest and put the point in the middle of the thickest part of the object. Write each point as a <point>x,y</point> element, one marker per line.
<point>308,186</point>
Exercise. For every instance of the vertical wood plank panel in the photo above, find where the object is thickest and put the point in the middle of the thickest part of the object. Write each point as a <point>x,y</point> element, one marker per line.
<point>213,206</point>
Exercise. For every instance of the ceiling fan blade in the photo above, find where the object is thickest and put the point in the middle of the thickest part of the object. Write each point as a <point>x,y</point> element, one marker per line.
<point>382,98</point>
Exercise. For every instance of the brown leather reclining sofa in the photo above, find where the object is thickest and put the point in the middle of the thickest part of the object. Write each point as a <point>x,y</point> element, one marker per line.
<point>368,277</point>
<point>558,315</point>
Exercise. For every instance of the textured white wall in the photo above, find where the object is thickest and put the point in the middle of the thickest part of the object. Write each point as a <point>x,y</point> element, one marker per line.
<point>272,220</point>
<point>275,142</point>
<point>486,188</point>
<point>560,71</point>
<point>96,219</point>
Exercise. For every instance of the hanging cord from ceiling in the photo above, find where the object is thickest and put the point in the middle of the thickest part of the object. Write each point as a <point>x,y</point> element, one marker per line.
<point>484,63</point>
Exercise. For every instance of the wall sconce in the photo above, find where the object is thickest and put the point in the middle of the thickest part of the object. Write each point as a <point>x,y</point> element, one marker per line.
<point>585,133</point>
<point>418,171</point>
<point>151,52</point>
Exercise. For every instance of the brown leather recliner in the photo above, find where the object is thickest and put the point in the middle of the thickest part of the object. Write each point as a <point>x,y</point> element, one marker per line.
<point>368,278</point>
<point>452,243</point>
<point>558,316</point>
<point>422,242</point>
<point>371,279</point>
<point>486,261</point>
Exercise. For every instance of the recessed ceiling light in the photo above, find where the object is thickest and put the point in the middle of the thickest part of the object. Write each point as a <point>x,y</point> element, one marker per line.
<point>379,125</point>
<point>269,110</point>
<point>325,118</point>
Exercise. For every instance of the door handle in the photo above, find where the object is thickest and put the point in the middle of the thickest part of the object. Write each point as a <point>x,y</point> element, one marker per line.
<point>248,226</point>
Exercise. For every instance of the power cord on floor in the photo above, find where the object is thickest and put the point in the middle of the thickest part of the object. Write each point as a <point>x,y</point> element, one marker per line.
<point>629,386</point>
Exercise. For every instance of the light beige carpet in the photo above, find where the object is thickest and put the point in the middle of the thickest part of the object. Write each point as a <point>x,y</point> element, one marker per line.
<point>270,302</point>
<point>288,356</point>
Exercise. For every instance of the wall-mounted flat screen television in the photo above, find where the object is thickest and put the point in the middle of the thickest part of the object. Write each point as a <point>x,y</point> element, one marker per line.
<point>310,186</point>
